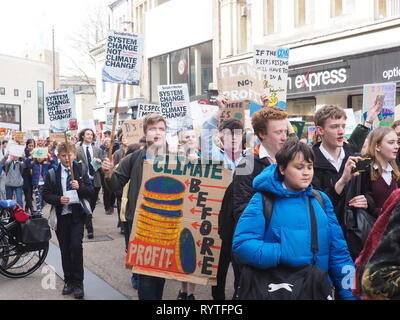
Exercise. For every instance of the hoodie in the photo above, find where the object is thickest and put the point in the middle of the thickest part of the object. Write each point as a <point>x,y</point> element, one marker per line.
<point>287,241</point>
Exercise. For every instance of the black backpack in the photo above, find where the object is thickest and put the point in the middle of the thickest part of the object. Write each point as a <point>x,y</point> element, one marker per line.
<point>306,282</point>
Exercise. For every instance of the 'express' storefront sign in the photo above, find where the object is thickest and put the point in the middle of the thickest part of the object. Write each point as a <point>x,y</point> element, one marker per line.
<point>344,73</point>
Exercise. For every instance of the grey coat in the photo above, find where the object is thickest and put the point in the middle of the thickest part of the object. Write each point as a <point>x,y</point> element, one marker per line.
<point>97,153</point>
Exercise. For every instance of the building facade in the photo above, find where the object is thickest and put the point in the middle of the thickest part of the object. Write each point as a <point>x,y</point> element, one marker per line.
<point>23,84</point>
<point>337,46</point>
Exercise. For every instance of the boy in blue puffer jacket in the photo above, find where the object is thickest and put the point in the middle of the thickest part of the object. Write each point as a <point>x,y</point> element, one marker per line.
<point>287,241</point>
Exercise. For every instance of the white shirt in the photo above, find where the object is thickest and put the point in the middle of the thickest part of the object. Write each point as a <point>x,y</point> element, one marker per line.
<point>263,153</point>
<point>91,155</point>
<point>386,173</point>
<point>336,163</point>
<point>64,175</point>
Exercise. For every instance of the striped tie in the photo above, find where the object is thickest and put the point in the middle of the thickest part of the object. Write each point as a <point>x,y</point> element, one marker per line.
<point>68,183</point>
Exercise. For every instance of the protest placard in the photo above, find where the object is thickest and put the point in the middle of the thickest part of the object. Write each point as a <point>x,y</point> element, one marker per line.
<point>61,109</point>
<point>18,136</point>
<point>350,123</point>
<point>234,110</point>
<point>175,108</point>
<point>124,55</point>
<point>86,124</point>
<point>311,134</point>
<point>201,112</point>
<point>40,153</point>
<point>385,94</point>
<point>58,137</point>
<point>298,127</point>
<point>144,109</point>
<point>273,62</point>
<point>240,82</point>
<point>16,150</point>
<point>175,229</point>
<point>132,130</point>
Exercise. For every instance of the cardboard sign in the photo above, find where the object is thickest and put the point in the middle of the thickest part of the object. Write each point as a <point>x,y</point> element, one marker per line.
<point>61,109</point>
<point>234,110</point>
<point>58,137</point>
<point>16,150</point>
<point>386,93</point>
<point>175,229</point>
<point>273,62</point>
<point>18,136</point>
<point>132,130</point>
<point>298,127</point>
<point>240,82</point>
<point>145,109</point>
<point>124,57</point>
<point>40,153</point>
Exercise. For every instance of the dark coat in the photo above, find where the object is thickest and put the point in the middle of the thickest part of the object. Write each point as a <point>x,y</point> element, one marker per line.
<point>52,190</point>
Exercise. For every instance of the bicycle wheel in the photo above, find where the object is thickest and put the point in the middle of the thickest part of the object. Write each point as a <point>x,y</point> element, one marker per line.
<point>19,263</point>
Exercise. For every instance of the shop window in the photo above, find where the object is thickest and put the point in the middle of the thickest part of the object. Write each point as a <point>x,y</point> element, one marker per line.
<point>386,8</point>
<point>179,66</point>
<point>10,113</point>
<point>40,93</point>
<point>302,108</point>
<point>304,12</point>
<point>201,63</point>
<point>158,74</point>
<point>341,7</point>
<point>271,17</point>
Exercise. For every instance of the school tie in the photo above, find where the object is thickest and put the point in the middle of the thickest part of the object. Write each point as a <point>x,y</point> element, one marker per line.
<point>68,182</point>
<point>89,159</point>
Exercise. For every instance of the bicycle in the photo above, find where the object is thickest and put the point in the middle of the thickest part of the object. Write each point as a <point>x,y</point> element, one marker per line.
<point>17,259</point>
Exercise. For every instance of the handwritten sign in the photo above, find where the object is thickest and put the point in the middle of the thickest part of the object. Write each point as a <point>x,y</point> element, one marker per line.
<point>273,62</point>
<point>16,150</point>
<point>234,110</point>
<point>18,136</point>
<point>298,127</point>
<point>124,55</point>
<point>61,109</point>
<point>386,94</point>
<point>240,82</point>
<point>132,130</point>
<point>175,229</point>
<point>40,153</point>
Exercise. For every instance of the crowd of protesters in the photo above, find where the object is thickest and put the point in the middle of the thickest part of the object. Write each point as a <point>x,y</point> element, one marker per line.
<point>274,162</point>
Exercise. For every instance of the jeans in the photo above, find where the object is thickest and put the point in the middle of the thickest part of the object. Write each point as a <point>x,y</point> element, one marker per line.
<point>150,288</point>
<point>37,191</point>
<point>18,193</point>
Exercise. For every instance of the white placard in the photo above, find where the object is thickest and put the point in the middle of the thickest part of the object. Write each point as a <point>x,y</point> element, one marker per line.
<point>72,195</point>
<point>60,106</point>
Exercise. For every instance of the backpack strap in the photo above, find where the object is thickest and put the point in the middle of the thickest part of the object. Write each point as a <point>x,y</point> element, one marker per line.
<point>268,205</point>
<point>317,195</point>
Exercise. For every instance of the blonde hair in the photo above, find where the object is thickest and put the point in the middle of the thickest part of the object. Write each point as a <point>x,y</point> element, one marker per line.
<point>374,140</point>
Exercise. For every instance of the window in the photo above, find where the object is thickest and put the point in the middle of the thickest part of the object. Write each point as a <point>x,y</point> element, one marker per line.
<point>304,12</point>
<point>10,113</point>
<point>179,66</point>
<point>40,93</point>
<point>28,93</point>
<point>2,91</point>
<point>270,17</point>
<point>16,92</point>
<point>386,8</point>
<point>201,63</point>
<point>341,7</point>
<point>159,74</point>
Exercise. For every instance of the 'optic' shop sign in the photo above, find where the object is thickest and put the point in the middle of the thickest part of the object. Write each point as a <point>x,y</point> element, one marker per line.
<point>344,73</point>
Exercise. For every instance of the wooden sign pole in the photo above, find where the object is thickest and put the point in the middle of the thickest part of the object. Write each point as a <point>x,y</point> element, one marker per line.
<point>114,123</point>
<point>69,158</point>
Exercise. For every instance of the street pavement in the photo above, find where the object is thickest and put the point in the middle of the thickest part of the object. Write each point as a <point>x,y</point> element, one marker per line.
<point>106,277</point>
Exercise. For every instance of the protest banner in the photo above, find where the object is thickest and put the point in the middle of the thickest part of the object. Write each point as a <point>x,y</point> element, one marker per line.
<point>61,109</point>
<point>175,108</point>
<point>124,55</point>
<point>18,136</point>
<point>298,127</point>
<point>175,229</point>
<point>62,114</point>
<point>3,132</point>
<point>201,111</point>
<point>234,110</point>
<point>40,153</point>
<point>351,123</point>
<point>58,137</point>
<point>16,150</point>
<point>145,109</point>
<point>132,130</point>
<point>385,94</point>
<point>240,82</point>
<point>397,113</point>
<point>273,62</point>
<point>122,65</point>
